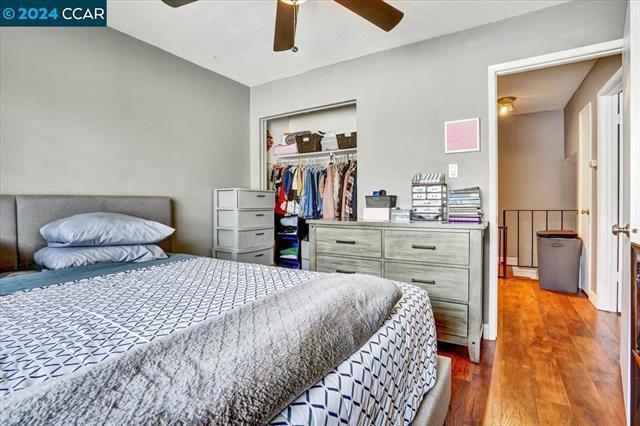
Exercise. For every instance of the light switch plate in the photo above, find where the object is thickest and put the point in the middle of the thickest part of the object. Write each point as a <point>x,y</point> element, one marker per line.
<point>453,171</point>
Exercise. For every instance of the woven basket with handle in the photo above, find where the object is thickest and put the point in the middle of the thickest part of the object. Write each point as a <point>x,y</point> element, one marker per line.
<point>347,140</point>
<point>309,143</point>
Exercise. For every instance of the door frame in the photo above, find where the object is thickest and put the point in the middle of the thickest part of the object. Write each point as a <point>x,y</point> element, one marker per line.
<point>631,82</point>
<point>494,71</point>
<point>608,190</point>
<point>586,271</point>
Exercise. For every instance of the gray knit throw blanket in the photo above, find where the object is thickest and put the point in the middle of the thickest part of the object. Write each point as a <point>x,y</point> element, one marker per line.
<point>240,368</point>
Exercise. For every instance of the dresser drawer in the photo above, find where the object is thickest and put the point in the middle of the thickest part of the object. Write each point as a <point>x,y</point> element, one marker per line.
<point>240,240</point>
<point>356,242</point>
<point>451,248</point>
<point>256,200</point>
<point>451,318</point>
<point>244,199</point>
<point>244,219</point>
<point>442,283</point>
<point>262,257</point>
<point>346,265</point>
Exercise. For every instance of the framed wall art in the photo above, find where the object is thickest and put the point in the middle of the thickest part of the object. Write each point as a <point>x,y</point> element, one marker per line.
<point>462,136</point>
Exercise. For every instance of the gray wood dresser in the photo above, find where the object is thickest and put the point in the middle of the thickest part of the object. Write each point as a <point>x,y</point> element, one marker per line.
<point>444,259</point>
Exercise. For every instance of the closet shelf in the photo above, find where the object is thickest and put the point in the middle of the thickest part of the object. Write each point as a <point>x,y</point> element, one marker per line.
<point>318,153</point>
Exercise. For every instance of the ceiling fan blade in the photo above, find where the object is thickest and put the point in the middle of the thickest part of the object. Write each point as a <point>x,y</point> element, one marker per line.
<point>378,12</point>
<point>285,33</point>
<point>177,3</point>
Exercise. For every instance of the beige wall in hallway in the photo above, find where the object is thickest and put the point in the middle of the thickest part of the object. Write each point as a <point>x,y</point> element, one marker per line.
<point>533,174</point>
<point>601,72</point>
<point>587,92</point>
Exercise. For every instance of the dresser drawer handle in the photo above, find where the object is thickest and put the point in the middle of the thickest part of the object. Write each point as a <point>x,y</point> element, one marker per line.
<point>344,271</point>
<point>415,280</point>
<point>418,247</point>
<point>260,195</point>
<point>345,242</point>
<point>259,233</point>
<point>259,255</point>
<point>259,214</point>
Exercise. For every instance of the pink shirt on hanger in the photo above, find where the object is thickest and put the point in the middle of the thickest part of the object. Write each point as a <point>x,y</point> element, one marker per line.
<point>328,206</point>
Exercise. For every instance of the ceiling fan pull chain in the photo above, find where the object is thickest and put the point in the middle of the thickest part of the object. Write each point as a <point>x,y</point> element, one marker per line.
<point>296,5</point>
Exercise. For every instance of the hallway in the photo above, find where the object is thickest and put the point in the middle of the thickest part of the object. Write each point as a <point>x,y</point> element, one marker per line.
<point>555,363</point>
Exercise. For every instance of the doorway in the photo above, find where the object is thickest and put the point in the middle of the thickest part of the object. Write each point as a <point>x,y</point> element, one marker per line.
<point>630,47</point>
<point>585,197</point>
<point>610,134</point>
<point>494,71</point>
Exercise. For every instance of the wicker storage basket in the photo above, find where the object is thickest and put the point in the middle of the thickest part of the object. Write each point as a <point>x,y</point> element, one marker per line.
<point>347,140</point>
<point>309,143</point>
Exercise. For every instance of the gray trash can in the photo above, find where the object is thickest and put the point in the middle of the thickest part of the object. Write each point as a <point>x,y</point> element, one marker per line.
<point>559,260</point>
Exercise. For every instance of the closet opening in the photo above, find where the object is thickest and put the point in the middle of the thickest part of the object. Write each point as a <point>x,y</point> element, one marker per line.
<point>309,160</point>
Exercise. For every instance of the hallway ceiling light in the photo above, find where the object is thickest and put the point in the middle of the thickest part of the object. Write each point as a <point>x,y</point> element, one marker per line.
<point>506,105</point>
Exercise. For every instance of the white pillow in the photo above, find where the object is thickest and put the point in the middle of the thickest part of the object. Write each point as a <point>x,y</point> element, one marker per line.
<point>103,229</point>
<point>68,257</point>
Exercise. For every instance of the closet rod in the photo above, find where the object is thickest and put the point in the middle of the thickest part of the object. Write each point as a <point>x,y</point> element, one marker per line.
<point>317,160</point>
<point>318,154</point>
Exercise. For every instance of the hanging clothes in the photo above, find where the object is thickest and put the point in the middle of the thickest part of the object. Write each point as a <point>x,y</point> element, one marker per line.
<point>316,191</point>
<point>328,206</point>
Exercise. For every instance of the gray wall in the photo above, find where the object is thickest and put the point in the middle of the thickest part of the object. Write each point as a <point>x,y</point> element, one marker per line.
<point>587,92</point>
<point>93,111</point>
<point>404,95</point>
<point>533,174</point>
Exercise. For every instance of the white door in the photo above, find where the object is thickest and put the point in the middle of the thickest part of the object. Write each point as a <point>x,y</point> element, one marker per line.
<point>621,196</point>
<point>584,191</point>
<point>630,202</point>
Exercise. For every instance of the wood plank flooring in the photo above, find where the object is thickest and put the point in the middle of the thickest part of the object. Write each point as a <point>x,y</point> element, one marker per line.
<point>555,363</point>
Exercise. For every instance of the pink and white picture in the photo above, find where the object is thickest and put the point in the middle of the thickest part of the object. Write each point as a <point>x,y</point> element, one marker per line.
<point>462,135</point>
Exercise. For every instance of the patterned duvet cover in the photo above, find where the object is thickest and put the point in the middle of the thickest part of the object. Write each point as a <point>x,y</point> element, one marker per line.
<point>49,332</point>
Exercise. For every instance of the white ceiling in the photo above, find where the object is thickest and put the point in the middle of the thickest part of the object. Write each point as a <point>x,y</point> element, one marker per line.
<point>235,37</point>
<point>548,89</point>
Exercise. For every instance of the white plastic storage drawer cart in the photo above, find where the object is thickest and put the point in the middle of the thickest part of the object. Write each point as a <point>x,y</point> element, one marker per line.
<point>243,225</point>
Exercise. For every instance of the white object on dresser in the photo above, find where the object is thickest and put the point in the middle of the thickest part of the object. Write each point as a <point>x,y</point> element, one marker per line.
<point>444,259</point>
<point>378,214</point>
<point>243,225</point>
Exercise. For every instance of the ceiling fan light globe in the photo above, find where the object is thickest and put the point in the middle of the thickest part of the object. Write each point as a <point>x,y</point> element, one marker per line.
<point>293,2</point>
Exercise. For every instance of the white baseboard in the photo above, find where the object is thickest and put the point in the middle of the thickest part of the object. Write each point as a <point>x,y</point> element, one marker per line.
<point>593,298</point>
<point>485,333</point>
<point>511,261</point>
<point>530,273</point>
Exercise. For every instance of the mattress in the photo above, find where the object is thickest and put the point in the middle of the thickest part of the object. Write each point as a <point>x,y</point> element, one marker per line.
<point>47,332</point>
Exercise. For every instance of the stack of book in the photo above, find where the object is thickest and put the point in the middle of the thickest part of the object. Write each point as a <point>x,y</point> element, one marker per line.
<point>465,205</point>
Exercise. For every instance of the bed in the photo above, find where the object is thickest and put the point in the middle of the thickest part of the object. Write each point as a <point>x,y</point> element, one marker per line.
<point>54,324</point>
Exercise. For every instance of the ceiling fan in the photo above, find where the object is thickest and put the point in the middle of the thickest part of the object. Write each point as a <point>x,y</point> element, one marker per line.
<point>378,12</point>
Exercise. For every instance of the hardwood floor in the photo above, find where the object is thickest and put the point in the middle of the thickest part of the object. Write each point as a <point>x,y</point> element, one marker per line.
<point>555,363</point>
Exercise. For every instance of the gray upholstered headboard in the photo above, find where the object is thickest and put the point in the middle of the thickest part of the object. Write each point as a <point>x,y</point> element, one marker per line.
<point>22,216</point>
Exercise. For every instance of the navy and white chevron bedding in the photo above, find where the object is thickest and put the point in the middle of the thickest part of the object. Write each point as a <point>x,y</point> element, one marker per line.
<point>46,333</point>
